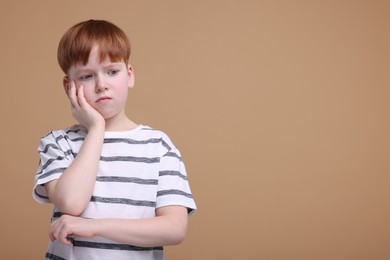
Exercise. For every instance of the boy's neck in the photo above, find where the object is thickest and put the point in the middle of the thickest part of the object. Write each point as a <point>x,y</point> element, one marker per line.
<point>119,124</point>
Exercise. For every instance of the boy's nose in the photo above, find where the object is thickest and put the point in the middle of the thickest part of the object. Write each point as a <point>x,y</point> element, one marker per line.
<point>100,85</point>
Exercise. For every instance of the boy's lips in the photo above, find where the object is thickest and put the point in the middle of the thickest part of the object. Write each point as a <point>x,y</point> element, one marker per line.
<point>102,99</point>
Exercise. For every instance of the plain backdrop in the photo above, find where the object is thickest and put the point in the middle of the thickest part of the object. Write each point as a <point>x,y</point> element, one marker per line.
<point>280,109</point>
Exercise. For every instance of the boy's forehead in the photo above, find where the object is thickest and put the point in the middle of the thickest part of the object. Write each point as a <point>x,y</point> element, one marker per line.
<point>97,56</point>
<point>94,60</point>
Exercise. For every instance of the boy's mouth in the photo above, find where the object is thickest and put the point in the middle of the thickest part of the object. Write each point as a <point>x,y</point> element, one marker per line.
<point>102,99</point>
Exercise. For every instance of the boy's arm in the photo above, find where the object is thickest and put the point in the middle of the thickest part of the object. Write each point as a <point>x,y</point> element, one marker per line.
<point>72,191</point>
<point>167,228</point>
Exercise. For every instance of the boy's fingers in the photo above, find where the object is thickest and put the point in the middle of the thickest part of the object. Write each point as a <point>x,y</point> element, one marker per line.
<point>51,236</point>
<point>80,94</point>
<point>72,95</point>
<point>82,101</point>
<point>76,96</point>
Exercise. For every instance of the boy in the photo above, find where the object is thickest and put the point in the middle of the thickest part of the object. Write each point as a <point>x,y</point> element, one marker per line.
<point>119,189</point>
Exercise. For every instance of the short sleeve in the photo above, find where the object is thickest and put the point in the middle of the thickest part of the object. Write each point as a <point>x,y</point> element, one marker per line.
<point>54,158</point>
<point>173,185</point>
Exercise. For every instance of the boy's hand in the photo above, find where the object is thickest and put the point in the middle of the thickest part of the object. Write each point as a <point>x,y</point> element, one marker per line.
<point>63,228</point>
<point>83,112</point>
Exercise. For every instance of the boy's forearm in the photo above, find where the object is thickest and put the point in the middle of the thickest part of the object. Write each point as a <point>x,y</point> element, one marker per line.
<point>73,189</point>
<point>157,231</point>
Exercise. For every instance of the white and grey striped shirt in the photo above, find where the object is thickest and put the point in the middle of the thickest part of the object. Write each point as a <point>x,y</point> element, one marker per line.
<point>139,170</point>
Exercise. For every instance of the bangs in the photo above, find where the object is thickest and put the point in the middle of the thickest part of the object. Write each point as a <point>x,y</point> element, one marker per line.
<point>76,44</point>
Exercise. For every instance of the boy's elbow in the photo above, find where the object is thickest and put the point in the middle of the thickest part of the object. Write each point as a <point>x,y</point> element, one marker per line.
<point>178,235</point>
<point>64,202</point>
<point>179,238</point>
<point>71,208</point>
<point>176,218</point>
<point>72,211</point>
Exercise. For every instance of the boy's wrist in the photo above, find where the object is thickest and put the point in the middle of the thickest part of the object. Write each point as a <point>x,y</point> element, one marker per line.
<point>98,125</point>
<point>97,128</point>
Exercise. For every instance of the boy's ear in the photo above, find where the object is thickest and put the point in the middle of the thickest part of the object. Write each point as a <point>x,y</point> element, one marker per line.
<point>66,84</point>
<point>130,74</point>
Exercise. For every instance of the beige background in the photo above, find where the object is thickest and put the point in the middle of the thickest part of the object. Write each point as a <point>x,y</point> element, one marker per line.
<point>280,108</point>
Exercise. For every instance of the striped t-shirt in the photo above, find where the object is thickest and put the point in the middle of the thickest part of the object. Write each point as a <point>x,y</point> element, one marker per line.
<point>139,170</point>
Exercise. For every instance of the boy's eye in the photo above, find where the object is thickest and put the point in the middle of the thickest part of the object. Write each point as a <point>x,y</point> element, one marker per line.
<point>86,76</point>
<point>112,72</point>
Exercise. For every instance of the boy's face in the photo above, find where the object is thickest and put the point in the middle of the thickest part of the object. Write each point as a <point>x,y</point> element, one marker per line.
<point>106,83</point>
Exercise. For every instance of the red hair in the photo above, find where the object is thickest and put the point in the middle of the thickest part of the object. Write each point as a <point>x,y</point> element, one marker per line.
<point>77,43</point>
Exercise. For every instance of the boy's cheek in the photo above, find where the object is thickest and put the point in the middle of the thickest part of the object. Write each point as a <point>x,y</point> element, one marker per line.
<point>88,99</point>
<point>90,102</point>
<point>86,95</point>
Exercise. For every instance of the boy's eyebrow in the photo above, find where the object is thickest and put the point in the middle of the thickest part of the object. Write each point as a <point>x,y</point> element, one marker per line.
<point>110,64</point>
<point>82,70</point>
